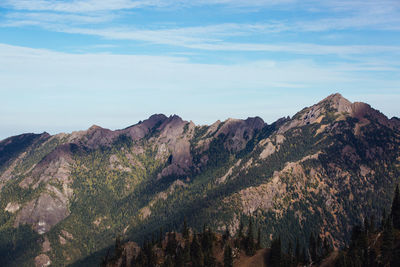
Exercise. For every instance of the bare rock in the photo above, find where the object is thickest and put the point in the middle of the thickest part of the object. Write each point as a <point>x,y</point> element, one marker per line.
<point>46,246</point>
<point>42,213</point>
<point>12,207</point>
<point>42,260</point>
<point>239,132</point>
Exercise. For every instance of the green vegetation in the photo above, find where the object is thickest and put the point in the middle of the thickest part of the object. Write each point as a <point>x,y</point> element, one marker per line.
<point>18,246</point>
<point>330,178</point>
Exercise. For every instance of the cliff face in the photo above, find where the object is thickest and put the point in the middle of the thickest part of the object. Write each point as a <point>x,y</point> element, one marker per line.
<point>322,171</point>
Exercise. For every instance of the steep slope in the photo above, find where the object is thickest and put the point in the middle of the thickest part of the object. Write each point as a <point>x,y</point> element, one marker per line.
<point>320,170</point>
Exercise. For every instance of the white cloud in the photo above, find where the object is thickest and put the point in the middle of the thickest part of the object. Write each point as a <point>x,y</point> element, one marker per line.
<point>108,5</point>
<point>212,37</point>
<point>46,19</point>
<point>75,6</point>
<point>47,69</point>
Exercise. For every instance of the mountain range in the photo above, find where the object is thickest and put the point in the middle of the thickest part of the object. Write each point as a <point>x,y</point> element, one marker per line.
<point>65,197</point>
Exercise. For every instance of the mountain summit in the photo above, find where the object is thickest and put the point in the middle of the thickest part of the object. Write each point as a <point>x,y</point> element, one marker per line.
<point>65,197</point>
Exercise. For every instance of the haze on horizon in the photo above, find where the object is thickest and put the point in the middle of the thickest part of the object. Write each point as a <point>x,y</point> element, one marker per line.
<point>65,65</point>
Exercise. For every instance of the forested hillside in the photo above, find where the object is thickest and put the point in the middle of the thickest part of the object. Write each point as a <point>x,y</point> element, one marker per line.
<point>375,243</point>
<point>65,198</point>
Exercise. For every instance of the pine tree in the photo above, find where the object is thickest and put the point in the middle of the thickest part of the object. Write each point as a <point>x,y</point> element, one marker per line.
<point>160,238</point>
<point>367,227</point>
<point>185,230</point>
<point>383,220</point>
<point>208,247</point>
<point>118,248</point>
<point>225,236</point>
<point>228,257</point>
<point>259,238</point>
<point>305,256</point>
<point>249,241</point>
<point>186,252</point>
<point>168,261</point>
<point>275,253</point>
<point>372,224</point>
<point>395,212</point>
<point>151,256</point>
<point>240,234</point>
<point>179,257</point>
<point>396,256</point>
<point>290,254</point>
<point>387,243</point>
<point>297,252</point>
<point>153,239</point>
<point>313,248</point>
<point>172,244</point>
<point>319,248</point>
<point>196,252</point>
<point>326,248</point>
<point>105,259</point>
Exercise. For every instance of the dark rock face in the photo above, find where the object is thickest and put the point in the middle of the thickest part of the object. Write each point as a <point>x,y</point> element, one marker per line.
<point>140,130</point>
<point>12,146</point>
<point>43,213</point>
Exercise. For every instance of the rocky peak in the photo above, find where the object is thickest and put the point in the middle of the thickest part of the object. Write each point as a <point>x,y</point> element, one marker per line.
<point>172,121</point>
<point>94,127</point>
<point>240,131</point>
<point>154,120</point>
<point>335,102</point>
<point>140,130</point>
<point>255,122</point>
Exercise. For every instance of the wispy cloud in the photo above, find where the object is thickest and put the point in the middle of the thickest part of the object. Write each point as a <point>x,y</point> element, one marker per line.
<point>48,69</point>
<point>76,6</point>
<point>48,18</point>
<point>107,5</point>
<point>212,38</point>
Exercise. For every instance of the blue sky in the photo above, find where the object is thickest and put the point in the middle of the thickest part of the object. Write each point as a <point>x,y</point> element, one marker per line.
<point>65,65</point>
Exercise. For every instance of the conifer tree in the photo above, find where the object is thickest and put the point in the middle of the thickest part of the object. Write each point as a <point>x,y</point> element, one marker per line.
<point>160,238</point>
<point>275,253</point>
<point>259,238</point>
<point>179,257</point>
<point>367,227</point>
<point>395,212</point>
<point>249,241</point>
<point>168,261</point>
<point>239,239</point>
<point>185,230</point>
<point>172,244</point>
<point>186,252</point>
<point>153,239</point>
<point>305,256</point>
<point>383,220</point>
<point>319,248</point>
<point>297,252</point>
<point>396,256</point>
<point>118,248</point>
<point>312,248</point>
<point>225,236</point>
<point>196,252</point>
<point>387,243</point>
<point>240,235</point>
<point>326,248</point>
<point>372,224</point>
<point>290,254</point>
<point>207,242</point>
<point>228,257</point>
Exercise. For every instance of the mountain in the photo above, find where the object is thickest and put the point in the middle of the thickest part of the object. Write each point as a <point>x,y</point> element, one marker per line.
<point>64,198</point>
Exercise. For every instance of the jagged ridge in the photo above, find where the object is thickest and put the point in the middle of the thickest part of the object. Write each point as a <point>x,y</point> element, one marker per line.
<point>318,168</point>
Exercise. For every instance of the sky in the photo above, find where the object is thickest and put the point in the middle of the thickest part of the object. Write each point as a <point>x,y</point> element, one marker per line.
<point>68,64</point>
